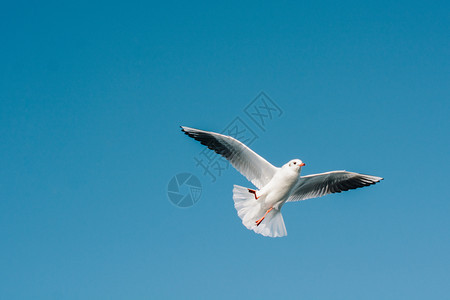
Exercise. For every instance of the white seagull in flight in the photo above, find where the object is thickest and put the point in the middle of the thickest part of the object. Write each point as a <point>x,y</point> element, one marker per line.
<point>260,210</point>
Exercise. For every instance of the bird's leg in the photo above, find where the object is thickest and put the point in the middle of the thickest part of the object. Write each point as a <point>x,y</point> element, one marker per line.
<point>260,220</point>
<point>253,192</point>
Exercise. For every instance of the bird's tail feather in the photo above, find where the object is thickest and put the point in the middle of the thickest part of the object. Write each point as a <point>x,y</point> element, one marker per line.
<point>250,210</point>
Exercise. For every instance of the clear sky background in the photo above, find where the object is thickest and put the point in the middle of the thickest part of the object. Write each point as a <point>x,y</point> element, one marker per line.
<point>92,96</point>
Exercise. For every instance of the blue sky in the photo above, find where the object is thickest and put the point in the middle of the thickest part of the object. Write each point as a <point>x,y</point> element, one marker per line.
<point>92,96</point>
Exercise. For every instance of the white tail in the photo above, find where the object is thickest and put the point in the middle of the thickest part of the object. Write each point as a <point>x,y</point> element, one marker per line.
<point>250,210</point>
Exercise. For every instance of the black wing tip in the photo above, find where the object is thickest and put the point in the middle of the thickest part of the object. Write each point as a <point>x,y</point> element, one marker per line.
<point>186,131</point>
<point>198,135</point>
<point>378,180</point>
<point>370,183</point>
<point>374,181</point>
<point>189,129</point>
<point>361,185</point>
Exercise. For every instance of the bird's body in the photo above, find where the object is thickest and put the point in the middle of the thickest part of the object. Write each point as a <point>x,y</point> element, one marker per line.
<point>260,209</point>
<point>277,191</point>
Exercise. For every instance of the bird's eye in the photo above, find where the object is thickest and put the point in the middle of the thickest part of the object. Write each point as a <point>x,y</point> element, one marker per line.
<point>295,163</point>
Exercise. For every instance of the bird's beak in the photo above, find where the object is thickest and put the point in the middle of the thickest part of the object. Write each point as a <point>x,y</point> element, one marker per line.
<point>302,164</point>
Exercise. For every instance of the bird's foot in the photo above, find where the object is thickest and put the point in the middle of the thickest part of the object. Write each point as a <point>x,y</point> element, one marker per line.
<point>253,192</point>
<point>260,220</point>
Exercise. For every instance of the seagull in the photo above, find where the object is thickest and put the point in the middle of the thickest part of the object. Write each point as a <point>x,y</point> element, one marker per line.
<point>260,209</point>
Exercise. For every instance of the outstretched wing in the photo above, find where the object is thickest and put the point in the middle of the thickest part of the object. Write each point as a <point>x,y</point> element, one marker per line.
<point>258,170</point>
<point>318,185</point>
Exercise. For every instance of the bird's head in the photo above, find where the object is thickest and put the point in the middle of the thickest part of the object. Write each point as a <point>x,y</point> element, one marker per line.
<point>295,164</point>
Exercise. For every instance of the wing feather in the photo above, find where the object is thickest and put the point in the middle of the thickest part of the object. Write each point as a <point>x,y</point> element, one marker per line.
<point>319,185</point>
<point>258,170</point>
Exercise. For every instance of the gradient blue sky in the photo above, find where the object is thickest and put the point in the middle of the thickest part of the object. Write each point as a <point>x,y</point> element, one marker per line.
<point>92,95</point>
